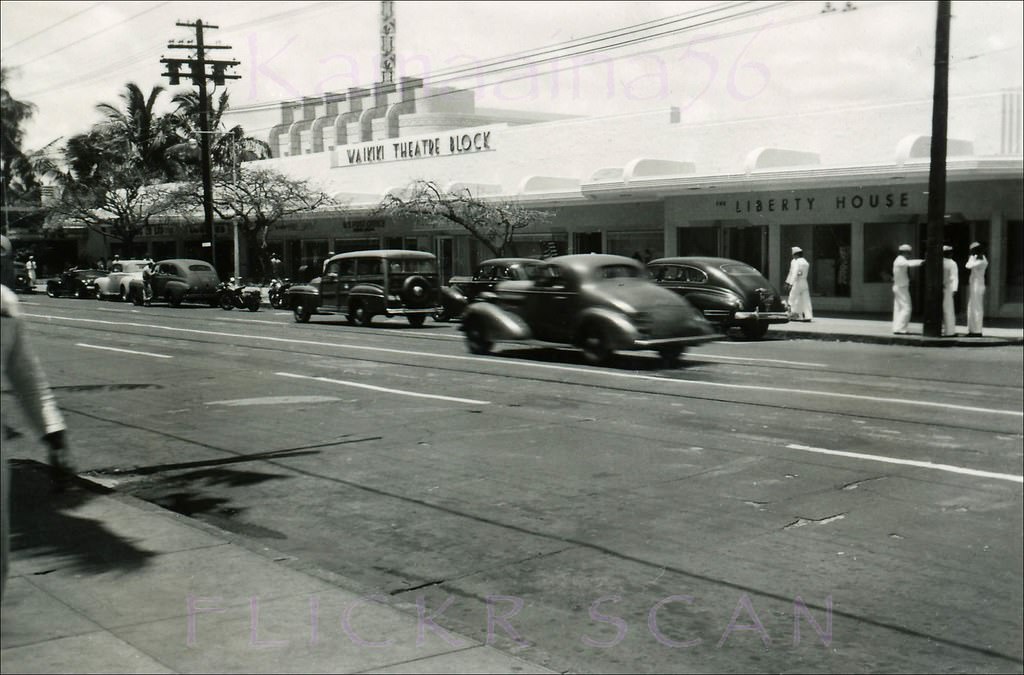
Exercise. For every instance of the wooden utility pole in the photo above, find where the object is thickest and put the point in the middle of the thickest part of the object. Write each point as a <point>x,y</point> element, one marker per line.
<point>937,177</point>
<point>197,71</point>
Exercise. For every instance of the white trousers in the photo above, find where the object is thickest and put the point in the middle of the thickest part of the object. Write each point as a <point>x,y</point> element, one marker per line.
<point>901,307</point>
<point>975,309</point>
<point>948,314</point>
<point>800,302</point>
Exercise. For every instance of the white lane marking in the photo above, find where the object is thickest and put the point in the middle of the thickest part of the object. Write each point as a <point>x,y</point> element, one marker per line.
<point>750,358</point>
<point>384,389</point>
<point>124,351</point>
<point>248,320</point>
<point>545,366</point>
<point>910,462</point>
<point>274,400</point>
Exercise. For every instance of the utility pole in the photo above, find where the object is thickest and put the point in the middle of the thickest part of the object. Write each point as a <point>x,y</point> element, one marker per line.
<point>197,71</point>
<point>937,177</point>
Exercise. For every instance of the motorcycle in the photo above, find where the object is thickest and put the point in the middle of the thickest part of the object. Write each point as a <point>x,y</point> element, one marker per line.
<point>233,293</point>
<point>278,292</point>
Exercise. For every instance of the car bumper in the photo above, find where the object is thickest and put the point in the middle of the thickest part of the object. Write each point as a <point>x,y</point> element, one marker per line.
<point>762,317</point>
<point>407,311</point>
<point>655,343</point>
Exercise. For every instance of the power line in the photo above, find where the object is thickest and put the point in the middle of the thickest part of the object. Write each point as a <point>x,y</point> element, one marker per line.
<point>99,32</point>
<point>51,26</point>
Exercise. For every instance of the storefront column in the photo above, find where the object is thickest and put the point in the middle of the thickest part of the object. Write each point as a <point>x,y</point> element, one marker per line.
<point>857,265</point>
<point>996,264</point>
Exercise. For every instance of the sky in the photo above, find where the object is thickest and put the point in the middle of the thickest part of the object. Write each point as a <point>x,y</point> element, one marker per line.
<point>715,61</point>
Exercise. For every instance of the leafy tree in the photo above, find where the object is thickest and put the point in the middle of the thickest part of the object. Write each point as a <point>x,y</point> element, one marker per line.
<point>493,224</point>
<point>255,199</point>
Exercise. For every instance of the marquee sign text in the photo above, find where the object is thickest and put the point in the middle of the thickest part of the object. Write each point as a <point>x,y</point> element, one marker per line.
<point>871,200</point>
<point>454,144</point>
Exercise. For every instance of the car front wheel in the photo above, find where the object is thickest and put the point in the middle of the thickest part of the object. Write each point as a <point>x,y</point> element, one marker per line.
<point>670,355</point>
<point>51,291</point>
<point>416,320</point>
<point>360,315</point>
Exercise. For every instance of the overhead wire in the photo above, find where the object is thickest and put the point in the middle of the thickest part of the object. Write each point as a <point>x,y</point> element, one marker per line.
<point>50,27</point>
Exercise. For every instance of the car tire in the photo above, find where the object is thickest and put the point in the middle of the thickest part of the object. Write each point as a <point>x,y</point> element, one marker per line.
<point>51,290</point>
<point>252,303</point>
<point>301,313</point>
<point>443,316</point>
<point>77,293</point>
<point>360,315</point>
<point>754,331</point>
<point>417,320</point>
<point>477,339</point>
<point>670,356</point>
<point>225,302</point>
<point>595,345</point>
<point>136,298</point>
<point>124,294</point>
<point>174,300</point>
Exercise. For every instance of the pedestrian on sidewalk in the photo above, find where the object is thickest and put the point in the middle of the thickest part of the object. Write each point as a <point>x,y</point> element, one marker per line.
<point>901,303</point>
<point>950,284</point>
<point>799,291</point>
<point>30,269</point>
<point>977,264</point>
<point>22,372</point>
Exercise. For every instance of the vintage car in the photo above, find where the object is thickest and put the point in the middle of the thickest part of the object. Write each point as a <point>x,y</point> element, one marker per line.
<point>115,285</point>
<point>74,282</point>
<point>365,284</point>
<point>21,280</point>
<point>601,303</point>
<point>180,280</point>
<point>728,292</point>
<point>461,291</point>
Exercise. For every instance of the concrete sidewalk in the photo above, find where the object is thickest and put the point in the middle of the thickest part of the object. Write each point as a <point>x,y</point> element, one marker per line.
<point>103,582</point>
<point>878,330</point>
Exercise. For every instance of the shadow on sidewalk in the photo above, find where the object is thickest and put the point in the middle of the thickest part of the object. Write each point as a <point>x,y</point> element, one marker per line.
<point>42,526</point>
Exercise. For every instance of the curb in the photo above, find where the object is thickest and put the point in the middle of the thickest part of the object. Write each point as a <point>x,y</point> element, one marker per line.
<point>906,340</point>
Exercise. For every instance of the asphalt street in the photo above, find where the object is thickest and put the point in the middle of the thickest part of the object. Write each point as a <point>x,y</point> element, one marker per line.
<point>768,506</point>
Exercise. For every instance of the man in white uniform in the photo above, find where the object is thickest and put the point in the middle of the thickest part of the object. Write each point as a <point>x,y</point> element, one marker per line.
<point>21,372</point>
<point>901,304</point>
<point>950,284</point>
<point>977,264</point>
<point>799,291</point>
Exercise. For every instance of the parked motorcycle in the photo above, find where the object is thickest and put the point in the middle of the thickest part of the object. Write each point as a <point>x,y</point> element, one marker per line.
<point>233,293</point>
<point>278,292</point>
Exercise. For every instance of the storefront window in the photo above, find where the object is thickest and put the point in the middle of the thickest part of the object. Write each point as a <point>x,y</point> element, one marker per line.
<point>697,241</point>
<point>644,246</point>
<point>881,241</point>
<point>827,249</point>
<point>1014,256</point>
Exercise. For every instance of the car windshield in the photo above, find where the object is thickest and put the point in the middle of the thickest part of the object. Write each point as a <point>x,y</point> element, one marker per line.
<point>740,270</point>
<point>617,272</point>
<point>412,265</point>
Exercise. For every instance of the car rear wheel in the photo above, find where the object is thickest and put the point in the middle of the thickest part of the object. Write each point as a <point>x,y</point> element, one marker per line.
<point>360,315</point>
<point>301,313</point>
<point>477,339</point>
<point>136,297</point>
<point>754,331</point>
<point>595,345</point>
<point>175,300</point>
<point>417,320</point>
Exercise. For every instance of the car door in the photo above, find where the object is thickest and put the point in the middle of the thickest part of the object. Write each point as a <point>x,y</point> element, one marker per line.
<point>329,284</point>
<point>552,304</point>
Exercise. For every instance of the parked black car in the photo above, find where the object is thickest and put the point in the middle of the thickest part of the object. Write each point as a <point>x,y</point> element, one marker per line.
<point>74,282</point>
<point>180,280</point>
<point>728,292</point>
<point>463,290</point>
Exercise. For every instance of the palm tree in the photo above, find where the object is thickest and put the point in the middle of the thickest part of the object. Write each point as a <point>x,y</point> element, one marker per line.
<point>228,148</point>
<point>145,135</point>
<point>19,180</point>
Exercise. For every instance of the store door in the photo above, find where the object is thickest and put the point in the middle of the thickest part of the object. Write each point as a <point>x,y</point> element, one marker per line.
<point>587,242</point>
<point>747,244</point>
<point>445,258</point>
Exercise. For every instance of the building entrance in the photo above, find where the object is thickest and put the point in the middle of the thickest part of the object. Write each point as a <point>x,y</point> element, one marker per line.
<point>746,243</point>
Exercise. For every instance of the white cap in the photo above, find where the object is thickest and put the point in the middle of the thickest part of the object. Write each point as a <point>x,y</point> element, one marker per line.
<point>906,247</point>
<point>796,249</point>
<point>975,245</point>
<point>947,248</point>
